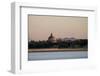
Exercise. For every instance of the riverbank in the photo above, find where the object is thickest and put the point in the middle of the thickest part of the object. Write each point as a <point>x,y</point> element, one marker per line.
<point>57,49</point>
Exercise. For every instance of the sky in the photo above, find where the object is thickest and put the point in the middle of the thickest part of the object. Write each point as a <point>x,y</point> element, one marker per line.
<point>40,27</point>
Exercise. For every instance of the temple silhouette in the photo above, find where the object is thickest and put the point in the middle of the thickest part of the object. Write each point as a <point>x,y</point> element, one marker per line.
<point>51,38</point>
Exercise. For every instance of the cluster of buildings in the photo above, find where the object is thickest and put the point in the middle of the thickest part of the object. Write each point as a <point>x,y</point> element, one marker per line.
<point>53,42</point>
<point>52,39</point>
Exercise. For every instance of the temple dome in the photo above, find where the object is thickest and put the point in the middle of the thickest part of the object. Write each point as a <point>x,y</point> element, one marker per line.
<point>51,38</point>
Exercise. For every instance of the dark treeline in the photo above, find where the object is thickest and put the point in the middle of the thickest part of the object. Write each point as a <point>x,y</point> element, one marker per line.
<point>79,43</point>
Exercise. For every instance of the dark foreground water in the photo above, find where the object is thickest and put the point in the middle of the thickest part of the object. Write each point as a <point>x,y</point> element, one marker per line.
<point>57,55</point>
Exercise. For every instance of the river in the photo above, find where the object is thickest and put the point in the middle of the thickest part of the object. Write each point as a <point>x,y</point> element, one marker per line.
<point>57,55</point>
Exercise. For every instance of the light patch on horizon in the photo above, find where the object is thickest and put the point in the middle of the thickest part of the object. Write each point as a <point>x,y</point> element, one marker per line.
<point>40,27</point>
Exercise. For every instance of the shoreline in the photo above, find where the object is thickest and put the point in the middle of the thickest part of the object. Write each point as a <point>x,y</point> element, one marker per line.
<point>57,50</point>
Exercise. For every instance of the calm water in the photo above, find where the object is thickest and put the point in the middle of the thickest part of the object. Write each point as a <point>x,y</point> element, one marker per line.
<point>57,55</point>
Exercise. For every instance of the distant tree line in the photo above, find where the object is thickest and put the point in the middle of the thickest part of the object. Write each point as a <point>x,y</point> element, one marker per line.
<point>79,43</point>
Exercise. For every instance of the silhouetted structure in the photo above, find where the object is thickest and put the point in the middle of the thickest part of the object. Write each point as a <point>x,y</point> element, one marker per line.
<point>52,42</point>
<point>51,39</point>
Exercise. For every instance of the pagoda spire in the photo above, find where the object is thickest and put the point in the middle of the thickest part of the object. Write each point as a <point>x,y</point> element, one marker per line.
<point>51,35</point>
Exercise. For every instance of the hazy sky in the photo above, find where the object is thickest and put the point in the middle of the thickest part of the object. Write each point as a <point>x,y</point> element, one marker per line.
<point>40,27</point>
